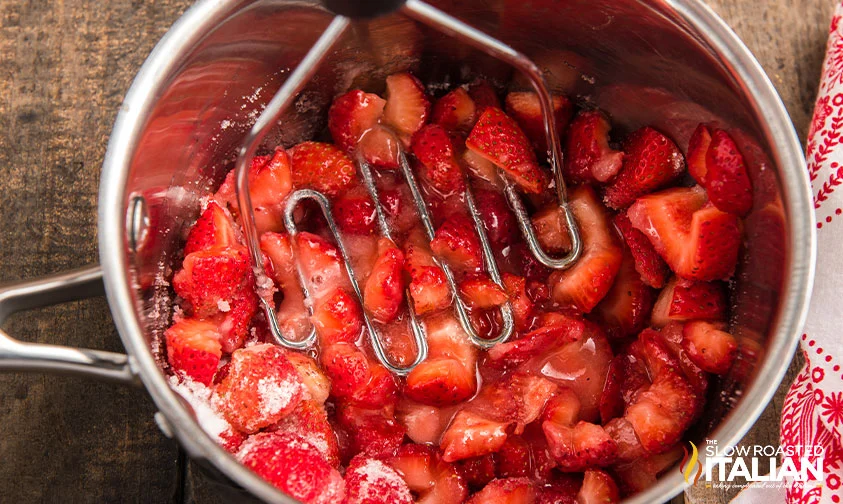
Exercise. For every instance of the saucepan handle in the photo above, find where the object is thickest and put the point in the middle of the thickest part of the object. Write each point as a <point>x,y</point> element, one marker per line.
<point>54,289</point>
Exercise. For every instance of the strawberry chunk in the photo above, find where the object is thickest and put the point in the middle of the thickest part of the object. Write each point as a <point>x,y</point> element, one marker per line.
<point>683,300</point>
<point>626,308</point>
<point>193,348</point>
<point>641,474</point>
<point>513,459</point>
<point>563,409</point>
<point>480,291</point>
<point>372,432</point>
<point>525,108</point>
<point>457,243</point>
<point>261,387</point>
<point>380,148</point>
<point>424,423</point>
<point>354,212</point>
<point>436,481</point>
<point>322,167</point>
<point>357,378</point>
<point>499,222</point>
<point>428,287</point>
<point>497,138</point>
<point>520,301</point>
<point>651,161</point>
<point>383,293</point>
<point>213,229</point>
<point>484,95</point>
<point>583,446</point>
<point>697,241</point>
<point>588,156</point>
<point>210,278</point>
<point>351,115</point>
<point>310,421</point>
<point>598,488</point>
<point>455,111</point>
<point>719,166</point>
<point>294,466</point>
<point>407,105</point>
<point>709,346</point>
<point>321,266</point>
<point>481,167</point>
<point>293,318</point>
<point>588,281</point>
<point>648,263</point>
<point>611,399</point>
<point>433,148</point>
<point>471,435</point>
<point>551,229</point>
<point>477,471</point>
<point>537,342</point>
<point>338,318</point>
<point>370,481</point>
<point>506,491</point>
<point>314,380</point>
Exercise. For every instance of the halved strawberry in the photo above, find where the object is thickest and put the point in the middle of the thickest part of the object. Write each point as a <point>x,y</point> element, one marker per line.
<point>380,148</point>
<point>407,105</point>
<point>588,156</point>
<point>522,305</point>
<point>551,229</point>
<point>583,446</point>
<point>480,291</point>
<point>472,435</point>
<point>651,161</point>
<point>370,481</point>
<point>294,466</point>
<point>525,108</point>
<point>719,166</point>
<point>383,293</point>
<point>484,95</point>
<point>354,212</point>
<point>498,138</point>
<point>338,318</point>
<point>213,228</point>
<point>314,380</point>
<point>193,348</point>
<point>456,242</point>
<point>709,346</point>
<point>501,226</point>
<point>626,308</point>
<point>323,167</point>
<point>270,180</point>
<point>648,263</point>
<point>598,488</point>
<point>434,149</point>
<point>428,287</point>
<point>683,300</point>
<point>351,115</point>
<point>698,241</point>
<point>261,388</point>
<point>292,315</point>
<point>455,111</point>
<point>506,491</point>
<point>310,421</point>
<point>588,281</point>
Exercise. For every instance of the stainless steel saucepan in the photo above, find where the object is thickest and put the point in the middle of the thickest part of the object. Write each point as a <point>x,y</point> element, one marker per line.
<point>671,63</point>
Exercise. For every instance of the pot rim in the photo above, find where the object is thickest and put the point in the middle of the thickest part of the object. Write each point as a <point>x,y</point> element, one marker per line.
<point>712,31</point>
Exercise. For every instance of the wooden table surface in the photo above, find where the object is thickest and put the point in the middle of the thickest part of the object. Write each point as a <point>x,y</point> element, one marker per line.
<point>64,67</point>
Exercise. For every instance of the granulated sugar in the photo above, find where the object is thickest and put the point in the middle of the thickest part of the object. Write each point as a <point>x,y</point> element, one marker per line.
<point>275,395</point>
<point>199,398</point>
<point>374,477</point>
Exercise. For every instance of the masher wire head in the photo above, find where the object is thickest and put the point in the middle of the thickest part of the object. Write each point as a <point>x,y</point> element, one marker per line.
<point>281,101</point>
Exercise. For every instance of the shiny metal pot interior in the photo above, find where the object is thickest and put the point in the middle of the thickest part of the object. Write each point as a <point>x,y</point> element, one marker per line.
<point>670,63</point>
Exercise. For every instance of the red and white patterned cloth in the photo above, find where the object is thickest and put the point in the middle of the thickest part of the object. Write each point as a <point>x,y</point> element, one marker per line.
<point>813,409</point>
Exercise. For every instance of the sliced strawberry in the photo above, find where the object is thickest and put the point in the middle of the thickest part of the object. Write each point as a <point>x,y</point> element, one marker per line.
<point>318,385</point>
<point>526,109</point>
<point>270,180</point>
<point>611,399</point>
<point>588,281</point>
<point>424,423</point>
<point>522,305</point>
<point>683,300</point>
<point>513,459</point>
<point>455,111</point>
<point>598,488</point>
<point>720,168</point>
<point>322,167</point>
<point>433,148</point>
<point>214,228</point>
<point>293,318</point>
<point>501,226</point>
<point>648,263</point>
<point>481,167</point>
<point>370,481</point>
<point>563,408</point>
<point>551,229</point>
<point>380,148</point>
<point>354,212</point>
<point>497,138</point>
<point>698,241</point>
<point>261,387</point>
<point>372,432</point>
<point>407,105</point>
<point>535,343</point>
<point>357,378</point>
<point>294,466</point>
<point>471,435</point>
<point>651,161</point>
<point>506,491</point>
<point>456,242</point>
<point>440,382</point>
<point>193,348</point>
<point>588,156</point>
<point>383,293</point>
<point>211,278</point>
<point>626,308</point>
<point>310,421</point>
<point>480,291</point>
<point>535,392</point>
<point>321,265</point>
<point>338,318</point>
<point>351,115</point>
<point>428,287</point>
<point>583,446</point>
<point>709,346</point>
<point>484,95</point>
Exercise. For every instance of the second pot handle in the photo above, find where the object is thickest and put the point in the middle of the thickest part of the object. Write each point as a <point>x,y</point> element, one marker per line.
<point>54,289</point>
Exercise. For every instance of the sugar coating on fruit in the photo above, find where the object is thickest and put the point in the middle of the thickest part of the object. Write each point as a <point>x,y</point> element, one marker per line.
<point>199,398</point>
<point>373,481</point>
<point>275,394</point>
